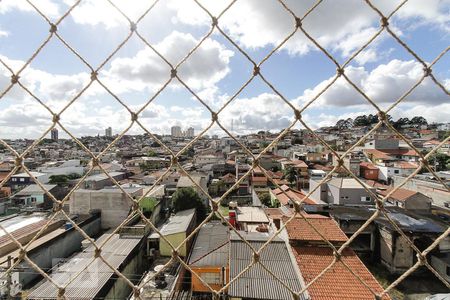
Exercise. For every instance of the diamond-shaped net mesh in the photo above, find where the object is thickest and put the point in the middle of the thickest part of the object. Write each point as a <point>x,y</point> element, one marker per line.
<point>257,72</point>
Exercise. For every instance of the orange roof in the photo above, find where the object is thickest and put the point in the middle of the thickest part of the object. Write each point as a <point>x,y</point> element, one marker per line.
<point>400,194</point>
<point>300,163</point>
<point>298,229</point>
<point>228,178</point>
<point>405,165</point>
<point>377,154</point>
<point>400,151</point>
<point>367,165</point>
<point>291,195</point>
<point>259,179</point>
<point>337,282</point>
<point>276,213</point>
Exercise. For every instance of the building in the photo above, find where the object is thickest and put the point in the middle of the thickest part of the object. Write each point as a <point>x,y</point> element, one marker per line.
<point>97,280</point>
<point>67,167</point>
<point>23,179</point>
<point>369,171</point>
<point>313,255</point>
<point>108,132</point>
<point>175,230</point>
<point>209,257</point>
<point>176,132</point>
<point>258,283</point>
<point>285,196</point>
<point>54,134</point>
<point>190,133</point>
<point>33,195</point>
<point>112,202</point>
<point>342,191</point>
<point>408,199</point>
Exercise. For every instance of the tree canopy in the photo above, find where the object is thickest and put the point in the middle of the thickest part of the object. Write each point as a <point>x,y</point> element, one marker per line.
<point>186,198</point>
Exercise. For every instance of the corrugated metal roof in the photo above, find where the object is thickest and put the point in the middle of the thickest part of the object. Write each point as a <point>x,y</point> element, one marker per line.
<point>178,223</point>
<point>94,277</point>
<point>257,283</point>
<point>211,245</point>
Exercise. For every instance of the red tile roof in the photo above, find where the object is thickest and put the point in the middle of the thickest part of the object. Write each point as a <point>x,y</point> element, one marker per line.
<point>400,194</point>
<point>337,282</point>
<point>367,165</point>
<point>292,194</point>
<point>298,229</point>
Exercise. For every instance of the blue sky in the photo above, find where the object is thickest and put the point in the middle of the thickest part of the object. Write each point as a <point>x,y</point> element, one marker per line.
<point>217,70</point>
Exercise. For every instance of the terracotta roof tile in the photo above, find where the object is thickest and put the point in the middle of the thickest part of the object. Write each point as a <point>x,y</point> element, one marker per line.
<point>298,229</point>
<point>337,282</point>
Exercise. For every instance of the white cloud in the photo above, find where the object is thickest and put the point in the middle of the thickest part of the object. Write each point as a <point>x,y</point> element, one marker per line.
<point>263,112</point>
<point>50,8</point>
<point>349,24</point>
<point>4,33</point>
<point>384,84</point>
<point>206,66</point>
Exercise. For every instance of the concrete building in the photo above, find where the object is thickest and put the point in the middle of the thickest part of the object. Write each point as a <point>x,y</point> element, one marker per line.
<point>32,195</point>
<point>20,180</point>
<point>112,202</point>
<point>99,181</point>
<point>54,134</point>
<point>342,191</point>
<point>67,167</point>
<point>108,132</point>
<point>97,280</point>
<point>176,132</point>
<point>408,199</point>
<point>190,133</point>
<point>175,230</point>
<point>200,180</point>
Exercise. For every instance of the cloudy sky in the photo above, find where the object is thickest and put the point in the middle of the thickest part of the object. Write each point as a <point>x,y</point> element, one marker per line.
<point>217,69</point>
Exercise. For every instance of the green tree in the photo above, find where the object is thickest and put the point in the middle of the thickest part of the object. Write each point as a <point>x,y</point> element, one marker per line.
<point>265,199</point>
<point>147,205</point>
<point>58,179</point>
<point>440,160</point>
<point>186,198</point>
<point>151,153</point>
<point>290,175</point>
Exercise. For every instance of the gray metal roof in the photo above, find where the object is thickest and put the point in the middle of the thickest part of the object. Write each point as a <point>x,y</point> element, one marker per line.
<point>94,277</point>
<point>34,189</point>
<point>211,246</point>
<point>179,222</point>
<point>257,283</point>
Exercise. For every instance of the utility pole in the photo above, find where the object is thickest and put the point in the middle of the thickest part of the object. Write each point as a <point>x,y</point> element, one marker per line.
<point>8,279</point>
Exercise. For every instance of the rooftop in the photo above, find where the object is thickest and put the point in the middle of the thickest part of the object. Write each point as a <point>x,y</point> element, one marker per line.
<point>211,246</point>
<point>337,282</point>
<point>178,222</point>
<point>298,229</point>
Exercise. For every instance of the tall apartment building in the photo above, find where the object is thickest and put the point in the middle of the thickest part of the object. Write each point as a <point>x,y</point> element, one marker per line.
<point>190,132</point>
<point>54,134</point>
<point>176,131</point>
<point>108,132</point>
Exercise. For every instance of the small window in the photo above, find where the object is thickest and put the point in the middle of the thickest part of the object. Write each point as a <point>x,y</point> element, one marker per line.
<point>22,179</point>
<point>14,179</point>
<point>365,199</point>
<point>396,171</point>
<point>211,278</point>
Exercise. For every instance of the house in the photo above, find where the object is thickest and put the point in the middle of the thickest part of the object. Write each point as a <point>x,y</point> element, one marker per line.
<point>258,283</point>
<point>175,230</point>
<point>285,196</point>
<point>313,255</point>
<point>99,181</point>
<point>342,191</point>
<point>34,195</point>
<point>20,180</point>
<point>408,199</point>
<point>209,257</point>
<point>62,168</point>
<point>369,171</point>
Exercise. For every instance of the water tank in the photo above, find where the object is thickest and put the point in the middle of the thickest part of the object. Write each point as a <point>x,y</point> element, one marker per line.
<point>232,204</point>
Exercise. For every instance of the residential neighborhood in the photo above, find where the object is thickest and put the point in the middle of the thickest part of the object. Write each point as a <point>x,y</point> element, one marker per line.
<point>298,200</point>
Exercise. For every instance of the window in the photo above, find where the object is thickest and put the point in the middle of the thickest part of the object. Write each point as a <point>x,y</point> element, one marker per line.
<point>365,199</point>
<point>396,171</point>
<point>22,179</point>
<point>211,278</point>
<point>14,179</point>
